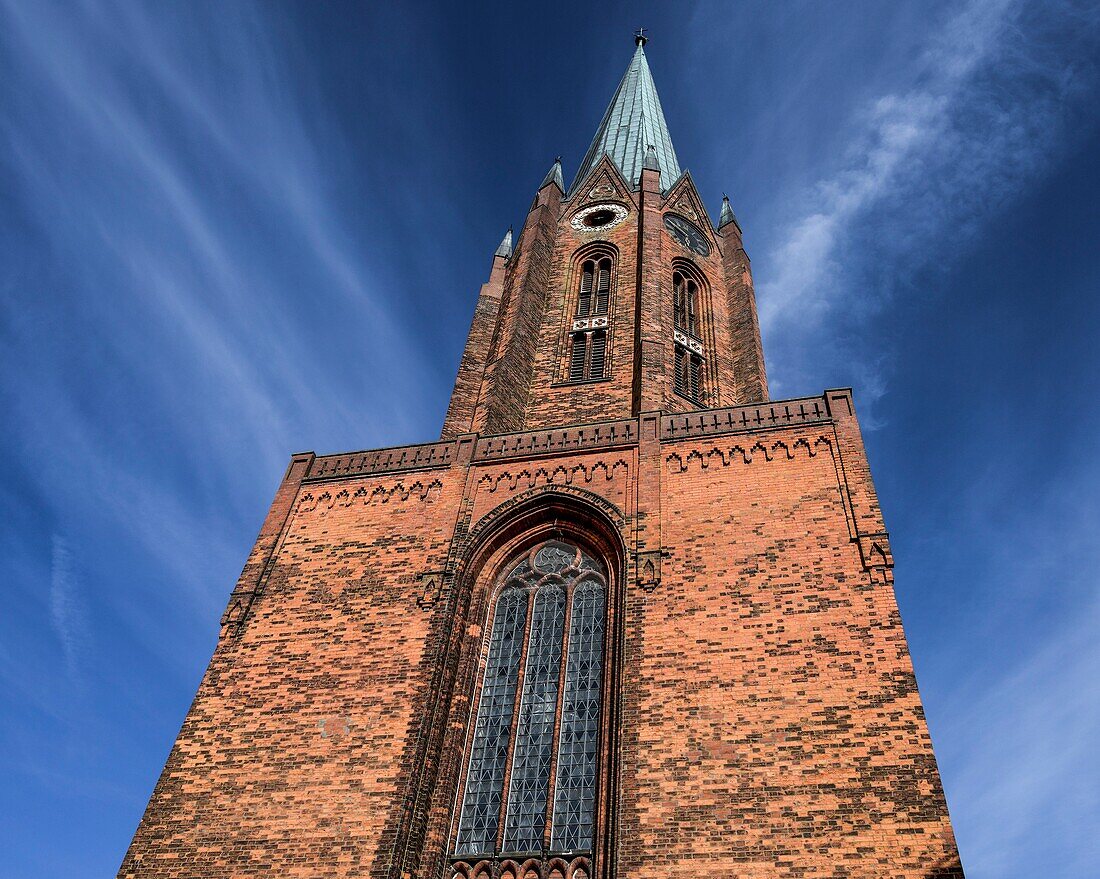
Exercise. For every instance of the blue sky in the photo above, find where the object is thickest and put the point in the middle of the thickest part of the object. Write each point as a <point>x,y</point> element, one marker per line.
<point>231,231</point>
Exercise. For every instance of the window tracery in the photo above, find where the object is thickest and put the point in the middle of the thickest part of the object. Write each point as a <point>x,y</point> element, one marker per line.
<point>588,332</point>
<point>530,784</point>
<point>687,318</point>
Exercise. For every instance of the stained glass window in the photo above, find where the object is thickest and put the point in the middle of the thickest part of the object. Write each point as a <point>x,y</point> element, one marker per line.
<point>575,788</point>
<point>477,830</point>
<point>535,730</point>
<point>565,589</point>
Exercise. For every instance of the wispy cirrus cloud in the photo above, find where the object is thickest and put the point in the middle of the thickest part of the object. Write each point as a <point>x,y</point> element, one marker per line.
<point>68,609</point>
<point>1019,718</point>
<point>178,177</point>
<point>1027,783</point>
<point>988,100</point>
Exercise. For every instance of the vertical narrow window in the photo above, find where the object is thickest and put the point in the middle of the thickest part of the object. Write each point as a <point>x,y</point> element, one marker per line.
<point>551,577</point>
<point>680,371</point>
<point>584,296</point>
<point>603,286</point>
<point>588,357</point>
<point>688,374</point>
<point>687,368</point>
<point>578,358</point>
<point>695,368</point>
<point>477,830</point>
<point>685,293</point>
<point>597,355</point>
<point>575,786</point>
<point>588,334</point>
<point>535,731</point>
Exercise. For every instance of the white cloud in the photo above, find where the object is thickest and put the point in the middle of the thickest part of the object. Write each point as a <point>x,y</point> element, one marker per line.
<point>985,108</point>
<point>1024,792</point>
<point>68,613</point>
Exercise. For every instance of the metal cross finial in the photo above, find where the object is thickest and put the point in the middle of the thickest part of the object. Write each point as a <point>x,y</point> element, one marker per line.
<point>640,39</point>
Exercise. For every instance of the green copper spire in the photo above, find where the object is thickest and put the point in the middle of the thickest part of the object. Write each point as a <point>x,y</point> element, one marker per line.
<point>505,248</point>
<point>554,175</point>
<point>633,121</point>
<point>727,215</point>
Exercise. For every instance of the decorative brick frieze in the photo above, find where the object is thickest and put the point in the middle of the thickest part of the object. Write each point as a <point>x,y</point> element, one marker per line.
<point>745,419</point>
<point>552,442</point>
<point>423,457</point>
<point>679,462</point>
<point>563,474</point>
<point>366,494</point>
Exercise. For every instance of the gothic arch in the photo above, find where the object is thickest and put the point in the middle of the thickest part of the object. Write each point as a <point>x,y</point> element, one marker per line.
<point>705,325</point>
<point>555,513</point>
<point>567,502</point>
<point>588,312</point>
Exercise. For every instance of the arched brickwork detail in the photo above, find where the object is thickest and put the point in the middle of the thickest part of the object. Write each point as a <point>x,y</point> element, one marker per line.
<point>704,330</point>
<point>553,512</point>
<point>588,306</point>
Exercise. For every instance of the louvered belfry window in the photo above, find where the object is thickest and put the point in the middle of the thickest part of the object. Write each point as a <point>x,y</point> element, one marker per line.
<point>588,357</point>
<point>588,347</point>
<point>531,771</point>
<point>685,296</point>
<point>688,376</point>
<point>595,289</point>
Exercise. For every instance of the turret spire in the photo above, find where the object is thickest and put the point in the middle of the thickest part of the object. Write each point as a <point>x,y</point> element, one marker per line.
<point>633,121</point>
<point>505,248</point>
<point>727,215</point>
<point>554,175</point>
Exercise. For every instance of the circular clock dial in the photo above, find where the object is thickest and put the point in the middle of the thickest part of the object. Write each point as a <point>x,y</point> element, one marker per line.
<point>687,233</point>
<point>597,217</point>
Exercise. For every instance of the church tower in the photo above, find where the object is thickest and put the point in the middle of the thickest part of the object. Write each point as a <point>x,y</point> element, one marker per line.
<point>626,619</point>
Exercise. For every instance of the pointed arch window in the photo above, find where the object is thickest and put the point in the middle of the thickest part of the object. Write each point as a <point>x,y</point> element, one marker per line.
<point>531,768</point>
<point>588,334</point>
<point>594,294</point>
<point>685,303</point>
<point>689,363</point>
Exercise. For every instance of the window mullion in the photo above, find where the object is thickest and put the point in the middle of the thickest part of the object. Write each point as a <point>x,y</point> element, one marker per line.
<point>517,701</point>
<point>548,828</point>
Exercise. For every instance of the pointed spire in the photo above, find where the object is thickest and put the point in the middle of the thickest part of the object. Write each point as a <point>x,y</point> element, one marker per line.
<point>727,215</point>
<point>554,176</point>
<point>505,248</point>
<point>634,119</point>
<point>651,163</point>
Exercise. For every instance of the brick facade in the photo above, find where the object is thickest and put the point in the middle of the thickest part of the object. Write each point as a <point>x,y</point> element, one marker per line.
<point>760,716</point>
<point>519,381</point>
<point>769,722</point>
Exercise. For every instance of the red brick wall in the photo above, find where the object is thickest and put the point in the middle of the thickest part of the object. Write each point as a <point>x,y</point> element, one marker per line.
<point>770,723</point>
<point>520,384</point>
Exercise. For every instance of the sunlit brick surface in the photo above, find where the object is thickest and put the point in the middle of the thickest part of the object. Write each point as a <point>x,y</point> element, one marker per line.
<point>770,723</point>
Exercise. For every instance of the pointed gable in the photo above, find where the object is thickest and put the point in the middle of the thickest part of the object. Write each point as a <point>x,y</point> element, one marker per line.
<point>683,198</point>
<point>634,121</point>
<point>601,183</point>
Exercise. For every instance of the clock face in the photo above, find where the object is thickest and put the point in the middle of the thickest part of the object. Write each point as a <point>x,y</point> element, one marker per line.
<point>687,233</point>
<point>598,217</point>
